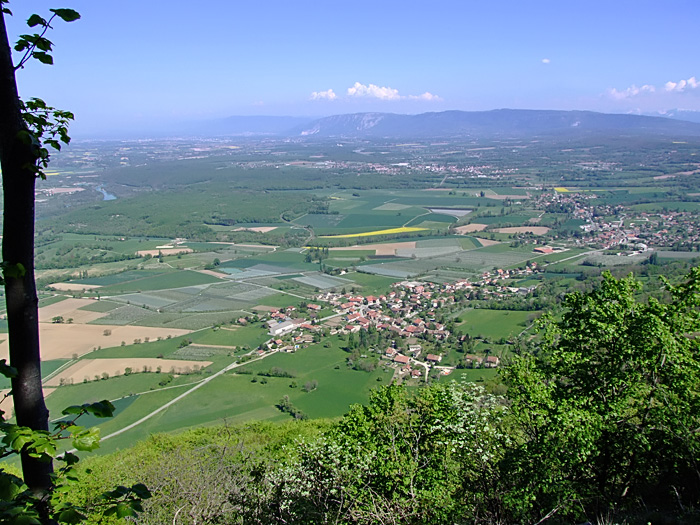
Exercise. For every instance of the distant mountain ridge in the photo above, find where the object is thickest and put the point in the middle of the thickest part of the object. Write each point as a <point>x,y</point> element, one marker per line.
<point>678,114</point>
<point>499,122</point>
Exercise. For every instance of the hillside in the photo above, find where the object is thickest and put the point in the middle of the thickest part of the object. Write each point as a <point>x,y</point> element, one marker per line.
<point>500,122</point>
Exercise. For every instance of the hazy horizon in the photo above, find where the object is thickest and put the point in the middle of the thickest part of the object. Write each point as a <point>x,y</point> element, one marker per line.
<point>168,63</point>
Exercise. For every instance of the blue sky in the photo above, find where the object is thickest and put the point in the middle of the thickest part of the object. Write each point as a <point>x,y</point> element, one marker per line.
<point>132,63</point>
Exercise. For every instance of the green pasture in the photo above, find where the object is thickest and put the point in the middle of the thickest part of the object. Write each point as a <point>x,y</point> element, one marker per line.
<point>120,244</point>
<point>160,281</point>
<point>469,243</point>
<point>121,277</point>
<point>377,221</point>
<point>509,191</point>
<point>46,301</point>
<point>284,261</point>
<point>101,306</point>
<point>110,389</point>
<point>116,244</point>
<point>429,219</point>
<point>660,207</point>
<point>608,260</point>
<point>663,254</point>
<point>338,388</point>
<point>371,284</point>
<point>345,254</point>
<point>317,220</point>
<point>125,314</point>
<point>493,324</point>
<point>188,320</point>
<point>251,336</point>
<point>234,398</point>
<point>280,300</point>
<point>164,347</point>
<point>476,375</point>
<point>139,408</point>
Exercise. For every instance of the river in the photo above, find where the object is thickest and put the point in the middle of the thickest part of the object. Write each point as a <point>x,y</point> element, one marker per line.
<point>106,196</point>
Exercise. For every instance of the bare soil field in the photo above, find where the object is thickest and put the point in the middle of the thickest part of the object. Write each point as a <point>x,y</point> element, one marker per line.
<point>70,287</point>
<point>672,175</point>
<point>257,229</point>
<point>89,368</point>
<point>488,242</point>
<point>537,230</point>
<point>69,309</point>
<point>504,197</point>
<point>263,308</point>
<point>213,273</point>
<point>469,228</point>
<point>165,251</point>
<point>262,246</point>
<point>61,341</point>
<point>387,248</point>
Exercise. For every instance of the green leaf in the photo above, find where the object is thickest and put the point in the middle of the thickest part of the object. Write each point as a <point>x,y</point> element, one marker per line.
<point>42,57</point>
<point>25,519</point>
<point>10,486</point>
<point>41,43</point>
<point>67,15</point>
<point>74,409</point>
<point>119,492</point>
<point>100,409</point>
<point>22,44</point>
<point>125,510</point>
<point>141,491</point>
<point>36,20</point>
<point>87,440</point>
<point>7,370</point>
<point>13,270</point>
<point>70,516</point>
<point>70,458</point>
<point>74,429</point>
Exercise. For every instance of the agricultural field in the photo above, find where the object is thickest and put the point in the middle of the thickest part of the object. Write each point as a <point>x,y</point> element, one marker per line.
<point>177,277</point>
<point>494,324</point>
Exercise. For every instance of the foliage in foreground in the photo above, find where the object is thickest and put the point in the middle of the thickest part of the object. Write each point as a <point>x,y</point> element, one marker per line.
<point>600,419</point>
<point>21,505</point>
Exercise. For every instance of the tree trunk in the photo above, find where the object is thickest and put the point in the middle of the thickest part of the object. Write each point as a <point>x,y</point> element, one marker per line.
<point>18,183</point>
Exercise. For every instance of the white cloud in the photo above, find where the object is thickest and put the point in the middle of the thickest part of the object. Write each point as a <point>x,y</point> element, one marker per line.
<point>682,85</point>
<point>329,94</point>
<point>373,91</point>
<point>546,61</point>
<point>359,90</point>
<point>425,96</point>
<point>631,91</point>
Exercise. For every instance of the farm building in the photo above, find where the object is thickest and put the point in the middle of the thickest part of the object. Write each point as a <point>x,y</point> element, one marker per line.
<point>401,359</point>
<point>282,328</point>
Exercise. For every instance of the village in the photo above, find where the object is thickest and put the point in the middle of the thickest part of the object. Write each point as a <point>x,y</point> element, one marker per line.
<point>605,226</point>
<point>408,317</point>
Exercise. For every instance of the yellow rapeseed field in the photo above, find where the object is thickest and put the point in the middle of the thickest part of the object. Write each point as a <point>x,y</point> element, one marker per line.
<point>376,232</point>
